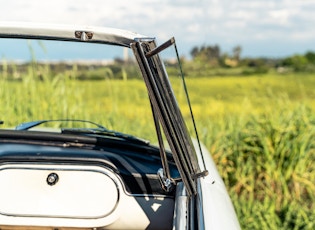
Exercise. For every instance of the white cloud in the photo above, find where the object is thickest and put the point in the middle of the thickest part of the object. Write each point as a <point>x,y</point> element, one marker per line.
<point>281,17</point>
<point>191,21</point>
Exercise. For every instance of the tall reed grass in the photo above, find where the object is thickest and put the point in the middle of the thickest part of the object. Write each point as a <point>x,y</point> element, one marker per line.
<point>260,131</point>
<point>267,162</point>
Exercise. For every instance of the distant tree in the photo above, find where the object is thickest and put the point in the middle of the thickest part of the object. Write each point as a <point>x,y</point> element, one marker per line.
<point>297,62</point>
<point>208,54</point>
<point>310,56</point>
<point>211,52</point>
<point>237,52</point>
<point>194,52</point>
<point>232,60</point>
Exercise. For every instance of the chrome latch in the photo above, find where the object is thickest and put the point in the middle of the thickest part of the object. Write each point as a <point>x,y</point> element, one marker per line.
<point>83,35</point>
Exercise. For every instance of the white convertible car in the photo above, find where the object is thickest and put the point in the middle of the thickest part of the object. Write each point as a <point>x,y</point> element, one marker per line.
<point>92,177</point>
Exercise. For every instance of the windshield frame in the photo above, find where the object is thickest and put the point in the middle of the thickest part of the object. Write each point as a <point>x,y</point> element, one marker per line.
<point>63,32</point>
<point>167,111</point>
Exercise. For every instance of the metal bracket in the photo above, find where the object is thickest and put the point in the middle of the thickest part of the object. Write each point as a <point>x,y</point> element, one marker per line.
<point>160,48</point>
<point>201,174</point>
<point>83,35</point>
<point>167,183</point>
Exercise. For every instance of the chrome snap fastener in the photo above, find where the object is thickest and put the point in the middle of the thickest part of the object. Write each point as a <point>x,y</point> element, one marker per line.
<point>52,179</point>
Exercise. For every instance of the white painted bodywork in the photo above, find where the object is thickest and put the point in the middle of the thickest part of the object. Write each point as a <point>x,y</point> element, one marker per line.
<point>218,209</point>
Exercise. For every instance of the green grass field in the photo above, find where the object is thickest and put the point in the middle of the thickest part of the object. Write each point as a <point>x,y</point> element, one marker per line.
<point>259,129</point>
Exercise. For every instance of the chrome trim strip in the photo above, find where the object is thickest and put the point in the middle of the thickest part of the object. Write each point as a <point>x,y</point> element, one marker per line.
<point>69,33</point>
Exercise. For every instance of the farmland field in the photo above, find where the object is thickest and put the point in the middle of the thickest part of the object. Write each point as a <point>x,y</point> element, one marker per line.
<point>259,129</point>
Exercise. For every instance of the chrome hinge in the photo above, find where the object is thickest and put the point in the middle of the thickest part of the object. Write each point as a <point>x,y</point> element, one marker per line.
<point>167,184</point>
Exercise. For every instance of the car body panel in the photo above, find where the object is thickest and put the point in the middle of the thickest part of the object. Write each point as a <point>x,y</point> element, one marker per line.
<point>217,208</point>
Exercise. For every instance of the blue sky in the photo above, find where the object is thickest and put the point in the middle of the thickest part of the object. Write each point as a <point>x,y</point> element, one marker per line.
<point>269,28</point>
